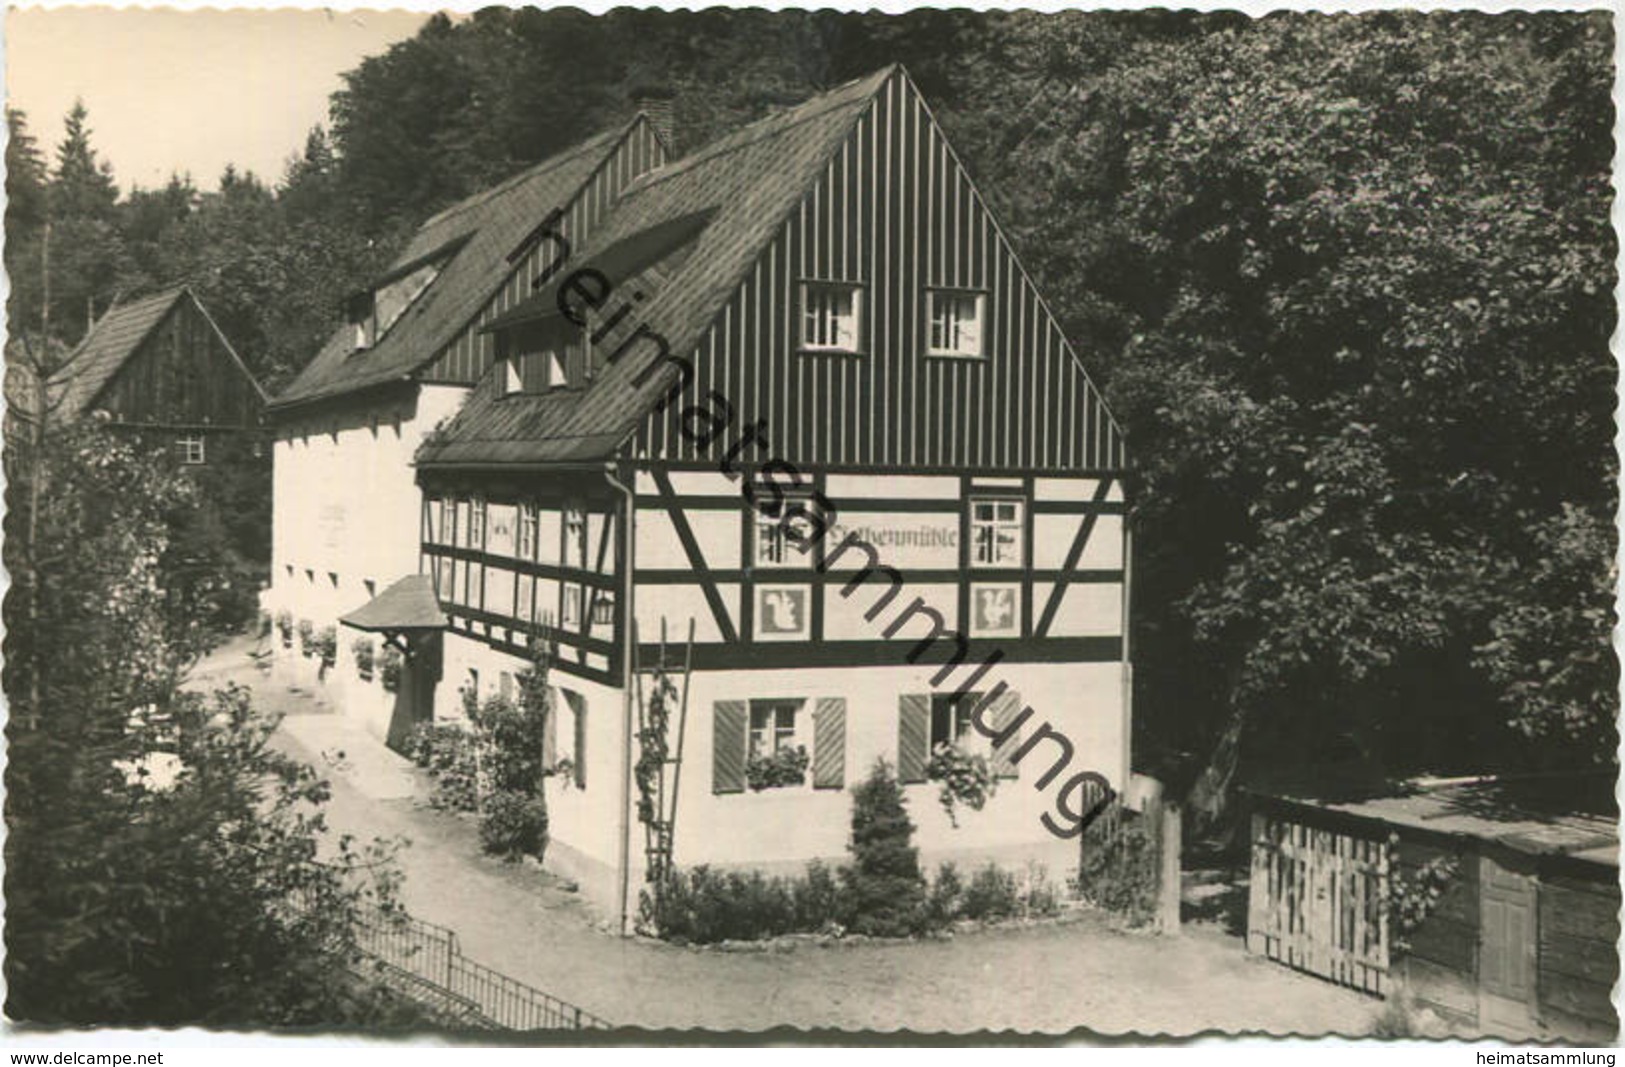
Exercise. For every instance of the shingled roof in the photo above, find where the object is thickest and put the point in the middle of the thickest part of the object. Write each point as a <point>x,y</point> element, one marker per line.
<point>748,182</point>
<point>479,233</point>
<point>73,388</point>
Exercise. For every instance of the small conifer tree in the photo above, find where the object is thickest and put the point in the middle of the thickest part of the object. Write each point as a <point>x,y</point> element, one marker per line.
<point>884,888</point>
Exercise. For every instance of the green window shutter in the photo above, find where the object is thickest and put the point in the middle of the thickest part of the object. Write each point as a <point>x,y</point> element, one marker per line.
<point>728,747</point>
<point>913,736</point>
<point>829,743</point>
<point>1005,710</point>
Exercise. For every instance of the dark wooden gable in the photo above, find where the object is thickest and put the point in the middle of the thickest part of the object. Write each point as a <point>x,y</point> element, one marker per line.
<point>895,212</point>
<point>181,374</point>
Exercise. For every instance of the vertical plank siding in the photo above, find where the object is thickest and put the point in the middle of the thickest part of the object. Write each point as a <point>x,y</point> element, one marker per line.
<point>469,354</point>
<point>182,375</point>
<point>1318,901</point>
<point>895,213</point>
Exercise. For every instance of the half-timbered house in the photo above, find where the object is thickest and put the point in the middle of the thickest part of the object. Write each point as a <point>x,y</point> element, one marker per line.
<point>795,393</point>
<point>346,507</point>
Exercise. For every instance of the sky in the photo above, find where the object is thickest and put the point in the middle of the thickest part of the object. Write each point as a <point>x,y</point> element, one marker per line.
<point>188,91</point>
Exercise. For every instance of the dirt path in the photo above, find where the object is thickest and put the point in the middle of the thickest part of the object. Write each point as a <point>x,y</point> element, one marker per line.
<point>1048,978</point>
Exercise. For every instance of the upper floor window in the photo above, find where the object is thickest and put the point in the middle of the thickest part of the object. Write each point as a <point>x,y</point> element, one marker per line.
<point>831,316</point>
<point>955,322</point>
<point>575,537</point>
<point>476,524</point>
<point>526,547</point>
<point>189,449</point>
<point>442,516</point>
<point>996,532</point>
<point>780,541</point>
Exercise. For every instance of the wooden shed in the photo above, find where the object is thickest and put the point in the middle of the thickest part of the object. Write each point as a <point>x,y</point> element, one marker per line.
<point>1493,903</point>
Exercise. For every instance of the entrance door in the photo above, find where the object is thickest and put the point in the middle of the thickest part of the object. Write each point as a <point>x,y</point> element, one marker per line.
<point>414,698</point>
<point>1506,958</point>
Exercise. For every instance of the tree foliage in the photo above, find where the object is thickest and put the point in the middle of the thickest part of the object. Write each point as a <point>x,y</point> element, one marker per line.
<point>1347,280</point>
<point>162,862</point>
<point>1352,279</point>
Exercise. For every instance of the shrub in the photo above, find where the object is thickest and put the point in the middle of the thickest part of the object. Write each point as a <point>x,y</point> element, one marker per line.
<point>447,751</point>
<point>1118,868</point>
<point>787,766</point>
<point>390,674</point>
<point>284,626</point>
<point>702,906</point>
<point>991,894</point>
<point>817,900</point>
<point>264,624</point>
<point>365,659</point>
<point>307,635</point>
<point>945,902</point>
<point>1039,896</point>
<point>885,893</point>
<point>966,778</point>
<point>327,645</point>
<point>513,825</point>
<point>511,742</point>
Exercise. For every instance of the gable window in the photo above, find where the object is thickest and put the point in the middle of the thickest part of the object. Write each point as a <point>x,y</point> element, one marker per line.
<point>831,316</point>
<point>954,322</point>
<point>995,530</point>
<point>772,726</point>
<point>189,449</point>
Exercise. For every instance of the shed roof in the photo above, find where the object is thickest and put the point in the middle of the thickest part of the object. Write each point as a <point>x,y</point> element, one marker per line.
<point>478,233</point>
<point>1547,815</point>
<point>110,343</point>
<point>409,604</point>
<point>743,187</point>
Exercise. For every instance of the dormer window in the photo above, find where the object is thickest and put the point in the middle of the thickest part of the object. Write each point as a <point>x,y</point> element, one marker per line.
<point>512,380</point>
<point>553,376</point>
<point>372,314</point>
<point>954,323</point>
<point>831,316</point>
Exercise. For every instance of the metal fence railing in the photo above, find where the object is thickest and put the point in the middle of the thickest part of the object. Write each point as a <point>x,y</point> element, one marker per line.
<point>431,955</point>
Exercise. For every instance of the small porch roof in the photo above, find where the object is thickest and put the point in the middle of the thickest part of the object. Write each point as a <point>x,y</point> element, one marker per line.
<point>409,604</point>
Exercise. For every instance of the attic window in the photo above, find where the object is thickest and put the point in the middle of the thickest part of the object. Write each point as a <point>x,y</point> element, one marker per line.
<point>831,316</point>
<point>372,314</point>
<point>512,381</point>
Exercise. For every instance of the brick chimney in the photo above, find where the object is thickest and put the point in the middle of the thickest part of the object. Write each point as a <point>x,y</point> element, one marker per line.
<point>657,103</point>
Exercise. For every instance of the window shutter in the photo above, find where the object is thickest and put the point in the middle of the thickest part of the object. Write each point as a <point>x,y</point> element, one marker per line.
<point>728,747</point>
<point>829,743</point>
<point>550,730</point>
<point>1005,711</point>
<point>913,736</point>
<point>578,707</point>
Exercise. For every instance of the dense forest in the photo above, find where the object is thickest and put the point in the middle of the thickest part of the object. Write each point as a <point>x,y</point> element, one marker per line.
<point>1348,282</point>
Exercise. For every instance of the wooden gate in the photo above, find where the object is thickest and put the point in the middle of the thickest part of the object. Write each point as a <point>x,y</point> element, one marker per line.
<point>1318,901</point>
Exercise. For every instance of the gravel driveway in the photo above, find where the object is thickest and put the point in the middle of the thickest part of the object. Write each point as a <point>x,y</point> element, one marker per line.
<point>1048,978</point>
